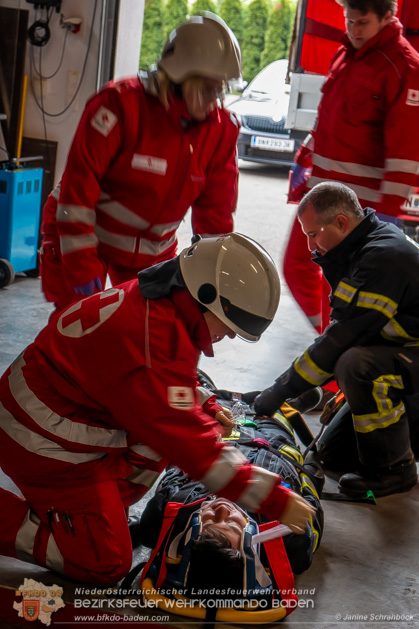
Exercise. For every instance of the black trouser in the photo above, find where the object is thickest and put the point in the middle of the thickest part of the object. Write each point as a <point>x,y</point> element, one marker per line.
<point>379,384</point>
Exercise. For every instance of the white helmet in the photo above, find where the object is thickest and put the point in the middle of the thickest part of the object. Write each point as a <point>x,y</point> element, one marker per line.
<point>204,46</point>
<point>234,278</point>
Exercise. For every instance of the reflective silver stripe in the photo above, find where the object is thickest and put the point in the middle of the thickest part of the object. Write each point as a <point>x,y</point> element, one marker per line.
<point>403,165</point>
<point>366,194</point>
<point>387,413</point>
<point>75,243</point>
<point>369,423</point>
<point>203,395</point>
<point>122,214</point>
<point>129,243</point>
<point>394,332</point>
<point>25,538</point>
<point>143,477</point>
<point>315,320</point>
<point>348,168</point>
<point>258,489</point>
<point>146,452</point>
<point>377,302</point>
<point>49,421</point>
<point>165,228</point>
<point>56,192</point>
<point>54,559</point>
<point>398,189</point>
<point>309,371</point>
<point>75,214</point>
<point>155,247</point>
<point>345,291</point>
<point>125,243</point>
<point>32,442</point>
<point>223,470</point>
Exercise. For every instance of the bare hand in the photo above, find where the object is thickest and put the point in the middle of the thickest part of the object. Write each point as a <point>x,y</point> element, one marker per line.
<point>226,419</point>
<point>297,514</point>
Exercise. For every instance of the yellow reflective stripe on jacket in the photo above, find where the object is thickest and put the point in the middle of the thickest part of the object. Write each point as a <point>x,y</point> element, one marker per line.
<point>293,453</point>
<point>393,331</point>
<point>281,417</point>
<point>309,371</point>
<point>345,291</point>
<point>307,482</point>
<point>377,302</point>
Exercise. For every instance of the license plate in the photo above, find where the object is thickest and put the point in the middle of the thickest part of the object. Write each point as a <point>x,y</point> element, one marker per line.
<point>272,144</point>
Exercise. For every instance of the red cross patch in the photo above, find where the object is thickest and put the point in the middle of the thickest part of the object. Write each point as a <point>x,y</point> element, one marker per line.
<point>87,315</point>
<point>180,397</point>
<point>412,98</point>
<point>104,121</point>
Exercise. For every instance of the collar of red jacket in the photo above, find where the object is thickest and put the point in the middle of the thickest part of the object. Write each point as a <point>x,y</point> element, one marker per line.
<point>194,320</point>
<point>393,30</point>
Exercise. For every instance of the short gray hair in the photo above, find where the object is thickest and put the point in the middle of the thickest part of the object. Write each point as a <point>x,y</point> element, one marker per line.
<point>330,198</point>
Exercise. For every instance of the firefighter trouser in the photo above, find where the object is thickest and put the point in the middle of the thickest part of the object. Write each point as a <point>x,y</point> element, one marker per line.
<point>376,382</point>
<point>81,533</point>
<point>306,280</point>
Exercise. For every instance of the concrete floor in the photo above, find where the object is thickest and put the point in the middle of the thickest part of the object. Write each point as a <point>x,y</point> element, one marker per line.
<point>365,573</point>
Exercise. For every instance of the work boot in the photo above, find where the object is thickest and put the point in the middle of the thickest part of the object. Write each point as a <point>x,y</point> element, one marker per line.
<point>135,530</point>
<point>313,467</point>
<point>395,479</point>
<point>307,400</point>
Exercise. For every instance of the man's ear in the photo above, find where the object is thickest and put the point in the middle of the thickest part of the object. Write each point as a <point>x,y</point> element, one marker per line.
<point>343,223</point>
<point>388,16</point>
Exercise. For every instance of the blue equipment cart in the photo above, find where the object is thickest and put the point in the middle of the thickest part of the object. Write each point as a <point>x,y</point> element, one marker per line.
<point>20,211</point>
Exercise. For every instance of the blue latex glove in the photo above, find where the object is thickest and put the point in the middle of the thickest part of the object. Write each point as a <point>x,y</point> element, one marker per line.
<point>94,286</point>
<point>298,176</point>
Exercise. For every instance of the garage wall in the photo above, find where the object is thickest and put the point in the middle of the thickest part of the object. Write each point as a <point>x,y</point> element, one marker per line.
<point>81,65</point>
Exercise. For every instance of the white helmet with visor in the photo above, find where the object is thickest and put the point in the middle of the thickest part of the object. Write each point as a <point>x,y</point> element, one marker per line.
<point>235,279</point>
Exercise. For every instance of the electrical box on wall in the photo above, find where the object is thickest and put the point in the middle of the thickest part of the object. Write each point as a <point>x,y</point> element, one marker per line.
<point>41,4</point>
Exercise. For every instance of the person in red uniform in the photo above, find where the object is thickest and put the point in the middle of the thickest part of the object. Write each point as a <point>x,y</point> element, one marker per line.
<point>366,135</point>
<point>94,409</point>
<point>143,153</point>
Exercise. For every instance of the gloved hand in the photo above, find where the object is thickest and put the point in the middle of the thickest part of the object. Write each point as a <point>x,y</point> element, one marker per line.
<point>269,401</point>
<point>226,419</point>
<point>298,176</point>
<point>94,286</point>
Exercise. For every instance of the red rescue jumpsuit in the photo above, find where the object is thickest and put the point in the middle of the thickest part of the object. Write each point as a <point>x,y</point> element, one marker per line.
<point>132,172</point>
<point>91,412</point>
<point>367,137</point>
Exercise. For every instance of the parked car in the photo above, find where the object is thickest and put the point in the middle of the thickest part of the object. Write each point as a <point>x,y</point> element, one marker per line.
<point>262,111</point>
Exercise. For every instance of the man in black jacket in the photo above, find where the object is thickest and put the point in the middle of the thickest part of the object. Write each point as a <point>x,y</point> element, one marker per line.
<point>372,345</point>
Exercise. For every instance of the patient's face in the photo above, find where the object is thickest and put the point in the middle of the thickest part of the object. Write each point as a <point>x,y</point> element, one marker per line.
<point>223,515</point>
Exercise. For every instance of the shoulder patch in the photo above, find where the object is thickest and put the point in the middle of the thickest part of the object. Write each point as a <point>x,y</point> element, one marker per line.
<point>180,397</point>
<point>412,97</point>
<point>104,121</point>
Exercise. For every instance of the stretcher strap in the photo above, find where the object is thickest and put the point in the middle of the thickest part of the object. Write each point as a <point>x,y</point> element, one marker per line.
<point>280,566</point>
<point>170,514</point>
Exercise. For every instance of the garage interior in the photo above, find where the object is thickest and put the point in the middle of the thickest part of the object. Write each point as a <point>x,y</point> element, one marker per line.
<point>365,571</point>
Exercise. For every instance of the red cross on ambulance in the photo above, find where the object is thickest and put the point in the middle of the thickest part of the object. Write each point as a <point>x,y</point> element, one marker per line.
<point>87,315</point>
